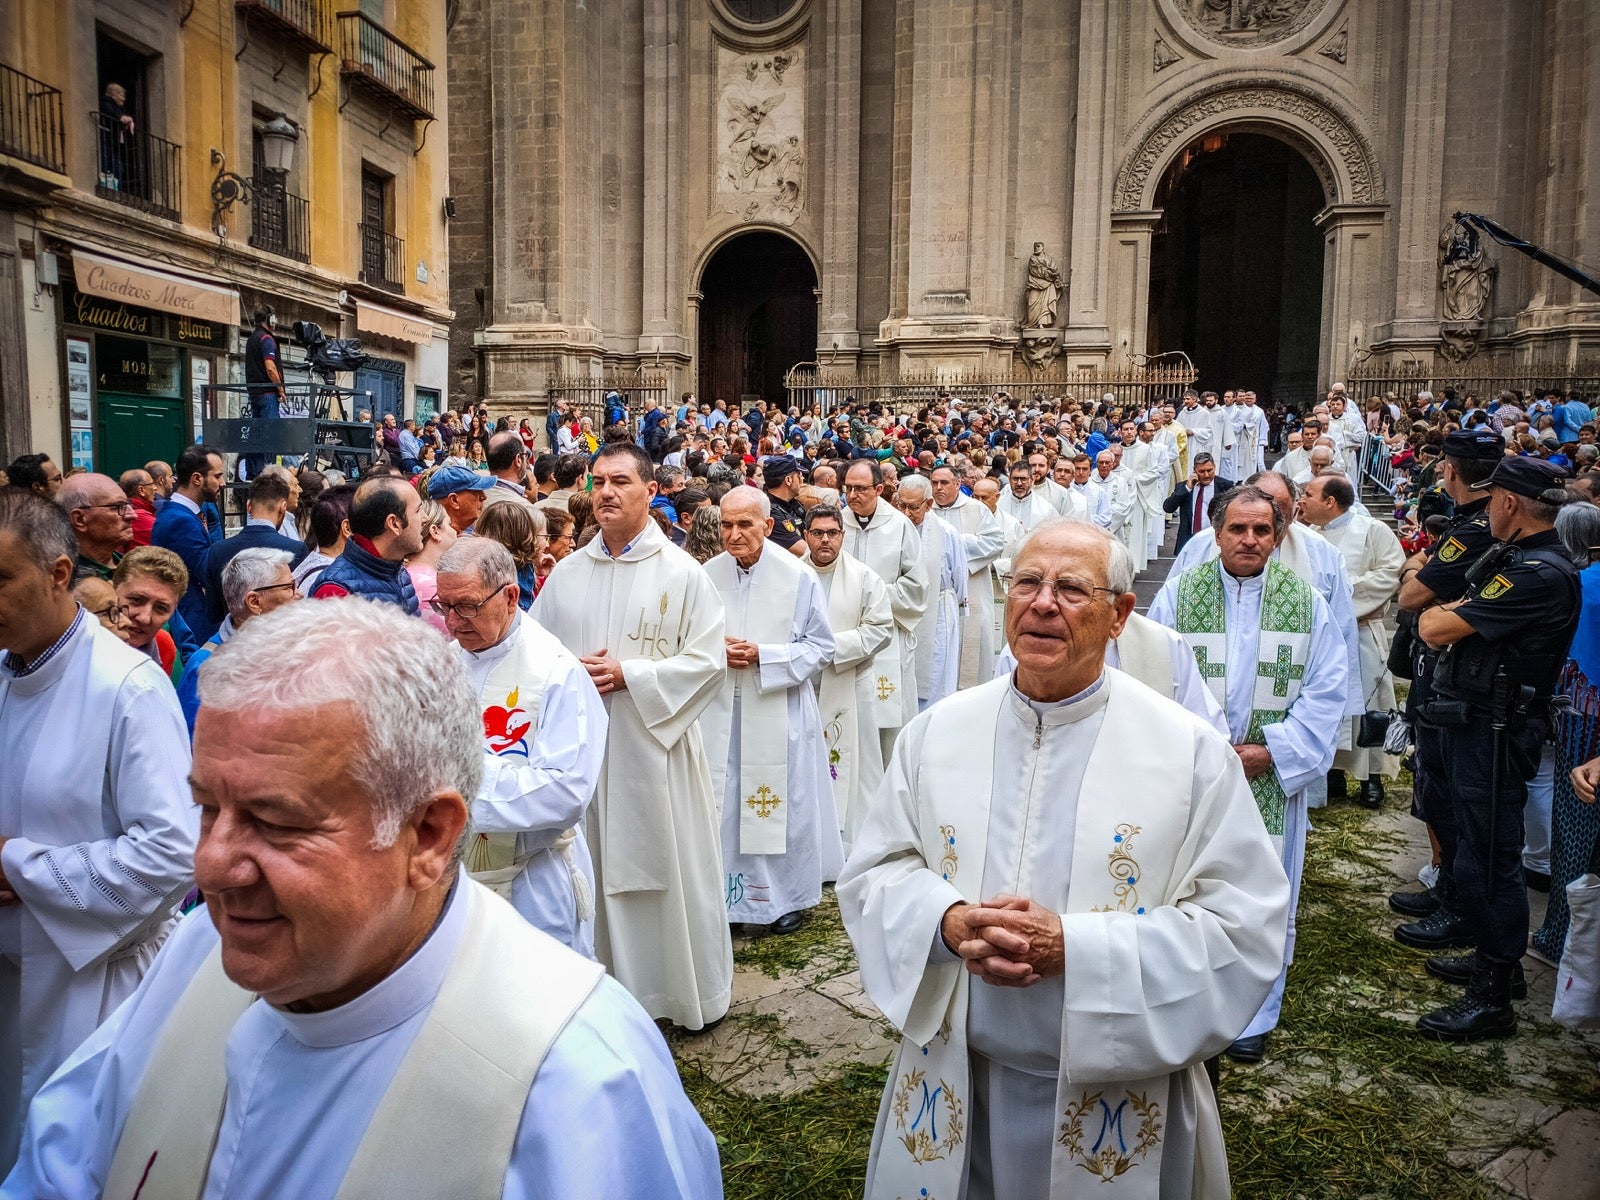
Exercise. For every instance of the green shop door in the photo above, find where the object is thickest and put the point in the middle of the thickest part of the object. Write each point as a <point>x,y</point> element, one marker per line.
<point>135,429</point>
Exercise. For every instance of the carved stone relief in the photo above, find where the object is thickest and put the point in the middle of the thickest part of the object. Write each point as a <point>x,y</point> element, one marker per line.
<point>1163,55</point>
<point>1303,108</point>
<point>1466,283</point>
<point>1249,22</point>
<point>1338,46</point>
<point>761,161</point>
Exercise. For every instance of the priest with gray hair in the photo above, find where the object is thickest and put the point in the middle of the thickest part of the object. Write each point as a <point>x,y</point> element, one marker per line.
<point>1062,932</point>
<point>348,1001</point>
<point>944,557</point>
<point>544,736</point>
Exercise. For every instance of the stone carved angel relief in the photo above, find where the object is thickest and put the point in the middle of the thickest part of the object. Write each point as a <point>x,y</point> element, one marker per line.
<point>1249,22</point>
<point>761,169</point>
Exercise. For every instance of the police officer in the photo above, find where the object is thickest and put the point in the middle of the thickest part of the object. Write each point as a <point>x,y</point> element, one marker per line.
<point>1428,578</point>
<point>783,476</point>
<point>1502,646</point>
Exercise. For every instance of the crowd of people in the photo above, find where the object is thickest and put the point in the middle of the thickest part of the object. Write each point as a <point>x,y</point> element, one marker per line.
<point>657,686</point>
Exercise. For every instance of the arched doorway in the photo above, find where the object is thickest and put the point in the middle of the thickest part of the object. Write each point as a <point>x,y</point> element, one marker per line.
<point>758,317</point>
<point>1236,265</point>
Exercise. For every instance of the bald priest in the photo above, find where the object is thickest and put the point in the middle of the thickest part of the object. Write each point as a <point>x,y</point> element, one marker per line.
<point>350,1015</point>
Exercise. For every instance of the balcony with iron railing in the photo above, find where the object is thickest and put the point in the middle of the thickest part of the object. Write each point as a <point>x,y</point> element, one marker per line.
<point>304,23</point>
<point>31,124</point>
<point>374,60</point>
<point>280,221</point>
<point>382,256</point>
<point>137,168</point>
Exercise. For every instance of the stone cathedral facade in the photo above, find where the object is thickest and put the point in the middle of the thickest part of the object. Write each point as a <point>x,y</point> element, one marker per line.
<point>717,189</point>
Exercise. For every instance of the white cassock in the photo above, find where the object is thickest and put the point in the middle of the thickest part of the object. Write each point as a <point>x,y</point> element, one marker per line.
<point>660,919</point>
<point>780,838</point>
<point>303,1088</point>
<point>1029,511</point>
<point>1302,744</point>
<point>890,545</point>
<point>863,627</point>
<point>1128,520</point>
<point>1089,493</point>
<point>544,739</point>
<point>1315,559</point>
<point>1202,431</point>
<point>1296,464</point>
<point>1228,465</point>
<point>1253,433</point>
<point>100,831</point>
<point>1100,509</point>
<point>983,539</point>
<point>939,632</point>
<point>1147,462</point>
<point>1373,559</point>
<point>1349,435</point>
<point>1173,910</point>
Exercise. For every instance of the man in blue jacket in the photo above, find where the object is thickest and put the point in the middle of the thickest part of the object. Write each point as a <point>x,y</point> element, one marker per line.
<point>267,502</point>
<point>199,472</point>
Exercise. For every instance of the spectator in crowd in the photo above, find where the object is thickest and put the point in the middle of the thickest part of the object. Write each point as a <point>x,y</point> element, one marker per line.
<point>140,489</point>
<point>256,580</point>
<point>150,583</point>
<point>269,498</point>
<point>329,526</point>
<point>99,600</point>
<point>36,473</point>
<point>102,519</point>
<point>438,535</point>
<point>703,541</point>
<point>460,492</point>
<point>520,528</point>
<point>385,530</point>
<point>508,465</point>
<point>559,526</point>
<point>178,528</point>
<point>568,472</point>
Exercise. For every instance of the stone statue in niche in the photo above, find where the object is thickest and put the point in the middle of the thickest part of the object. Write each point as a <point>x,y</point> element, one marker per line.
<point>1250,22</point>
<point>1466,283</point>
<point>761,165</point>
<point>1045,285</point>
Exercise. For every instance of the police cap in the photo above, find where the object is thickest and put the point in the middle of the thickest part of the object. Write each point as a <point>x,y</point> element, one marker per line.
<point>1483,445</point>
<point>779,467</point>
<point>1530,477</point>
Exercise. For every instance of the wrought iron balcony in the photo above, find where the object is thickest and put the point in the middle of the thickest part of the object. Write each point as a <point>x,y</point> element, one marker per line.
<point>379,63</point>
<point>137,168</point>
<point>31,124</point>
<point>280,221</point>
<point>382,258</point>
<point>304,23</point>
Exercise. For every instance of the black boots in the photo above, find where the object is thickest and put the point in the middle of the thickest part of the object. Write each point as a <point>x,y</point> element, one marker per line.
<point>1371,794</point>
<point>1484,1012</point>
<point>1338,789</point>
<point>1415,905</point>
<point>1458,970</point>
<point>1442,929</point>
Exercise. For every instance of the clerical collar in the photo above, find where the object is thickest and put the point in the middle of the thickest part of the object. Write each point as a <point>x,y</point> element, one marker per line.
<point>1060,712</point>
<point>864,521</point>
<point>1246,580</point>
<point>21,670</point>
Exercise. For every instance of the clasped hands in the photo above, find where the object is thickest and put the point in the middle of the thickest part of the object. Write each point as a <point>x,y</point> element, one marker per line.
<point>742,654</point>
<point>1008,941</point>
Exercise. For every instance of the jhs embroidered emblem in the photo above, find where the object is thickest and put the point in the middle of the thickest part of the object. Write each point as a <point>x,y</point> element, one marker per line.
<point>648,637</point>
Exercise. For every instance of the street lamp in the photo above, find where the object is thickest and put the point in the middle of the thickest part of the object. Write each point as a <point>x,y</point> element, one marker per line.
<point>278,138</point>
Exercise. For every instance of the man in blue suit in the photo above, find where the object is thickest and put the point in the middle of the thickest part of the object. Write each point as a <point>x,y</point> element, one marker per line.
<point>200,474</point>
<point>265,506</point>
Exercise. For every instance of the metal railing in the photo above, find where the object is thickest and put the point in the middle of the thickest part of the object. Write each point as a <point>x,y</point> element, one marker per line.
<point>374,59</point>
<point>1484,375</point>
<point>137,168</point>
<point>31,125</point>
<point>585,395</point>
<point>1377,464</point>
<point>280,221</point>
<point>382,257</point>
<point>308,22</point>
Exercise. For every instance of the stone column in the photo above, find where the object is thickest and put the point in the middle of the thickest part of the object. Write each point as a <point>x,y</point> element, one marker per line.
<point>1087,340</point>
<point>840,67</point>
<point>1128,301</point>
<point>663,155</point>
<point>1352,271</point>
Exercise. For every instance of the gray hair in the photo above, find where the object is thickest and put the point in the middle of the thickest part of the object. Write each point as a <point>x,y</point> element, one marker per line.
<point>480,556</point>
<point>916,487</point>
<point>41,526</point>
<point>1294,488</point>
<point>422,721</point>
<point>248,570</point>
<point>77,491</point>
<point>1119,559</point>
<point>1248,492</point>
<point>762,502</point>
<point>1578,526</point>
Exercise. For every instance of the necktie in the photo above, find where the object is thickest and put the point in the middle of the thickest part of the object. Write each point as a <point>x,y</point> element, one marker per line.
<point>1199,508</point>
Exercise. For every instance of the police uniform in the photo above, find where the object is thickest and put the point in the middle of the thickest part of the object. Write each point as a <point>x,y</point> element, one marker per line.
<point>1522,604</point>
<point>788,516</point>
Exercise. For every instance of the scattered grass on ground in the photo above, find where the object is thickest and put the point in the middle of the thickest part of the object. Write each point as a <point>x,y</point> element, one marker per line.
<point>818,945</point>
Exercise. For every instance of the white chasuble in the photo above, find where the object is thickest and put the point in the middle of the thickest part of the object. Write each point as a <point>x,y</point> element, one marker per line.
<point>1129,523</point>
<point>1173,909</point>
<point>544,736</point>
<point>1029,511</point>
<point>1373,558</point>
<point>983,538</point>
<point>863,626</point>
<point>660,924</point>
<point>489,1021</point>
<point>100,831</point>
<point>938,656</point>
<point>888,544</point>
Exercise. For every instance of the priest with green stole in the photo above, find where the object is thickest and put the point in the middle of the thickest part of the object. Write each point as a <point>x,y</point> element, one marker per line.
<point>1062,931</point>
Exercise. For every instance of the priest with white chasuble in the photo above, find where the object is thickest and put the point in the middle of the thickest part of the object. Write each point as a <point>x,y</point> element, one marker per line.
<point>1061,931</point>
<point>769,762</point>
<point>1273,658</point>
<point>938,657</point>
<point>97,831</point>
<point>544,737</point>
<point>350,1015</point>
<point>863,627</point>
<point>983,538</point>
<point>646,623</point>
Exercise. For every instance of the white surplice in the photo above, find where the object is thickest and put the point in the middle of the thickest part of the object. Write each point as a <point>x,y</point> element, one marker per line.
<point>1253,432</point>
<point>1373,558</point>
<point>1173,909</point>
<point>1296,464</point>
<point>538,782</point>
<point>889,544</point>
<point>1029,511</point>
<point>1202,431</point>
<point>606,1115</point>
<point>939,632</point>
<point>660,921</point>
<point>759,887</point>
<point>100,832</point>
<point>863,627</point>
<point>1149,464</point>
<point>1302,744</point>
<point>983,540</point>
<point>1127,520</point>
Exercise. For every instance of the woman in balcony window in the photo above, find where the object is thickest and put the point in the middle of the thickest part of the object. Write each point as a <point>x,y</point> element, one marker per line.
<point>116,136</point>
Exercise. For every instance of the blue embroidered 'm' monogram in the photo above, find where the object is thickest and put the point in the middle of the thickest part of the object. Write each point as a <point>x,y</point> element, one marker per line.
<point>930,1109</point>
<point>1111,1122</point>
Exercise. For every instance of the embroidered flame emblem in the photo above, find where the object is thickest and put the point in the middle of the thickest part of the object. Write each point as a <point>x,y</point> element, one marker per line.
<point>505,727</point>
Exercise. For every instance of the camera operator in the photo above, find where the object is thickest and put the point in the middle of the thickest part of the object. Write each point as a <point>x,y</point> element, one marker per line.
<point>263,376</point>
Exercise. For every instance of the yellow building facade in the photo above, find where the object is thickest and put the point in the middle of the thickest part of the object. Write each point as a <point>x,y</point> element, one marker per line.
<point>169,167</point>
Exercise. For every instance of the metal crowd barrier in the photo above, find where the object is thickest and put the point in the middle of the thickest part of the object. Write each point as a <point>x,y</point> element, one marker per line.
<point>1377,464</point>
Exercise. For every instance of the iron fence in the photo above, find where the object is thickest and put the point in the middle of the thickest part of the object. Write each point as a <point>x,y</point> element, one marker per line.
<point>374,59</point>
<point>1377,464</point>
<point>811,386</point>
<point>586,395</point>
<point>381,257</point>
<point>308,23</point>
<point>31,127</point>
<point>280,221</point>
<point>138,168</point>
<point>1483,376</point>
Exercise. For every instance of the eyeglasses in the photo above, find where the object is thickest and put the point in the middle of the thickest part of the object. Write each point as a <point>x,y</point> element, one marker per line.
<point>273,587</point>
<point>860,487</point>
<point>112,612</point>
<point>118,505</point>
<point>466,610</point>
<point>825,533</point>
<point>1069,593</point>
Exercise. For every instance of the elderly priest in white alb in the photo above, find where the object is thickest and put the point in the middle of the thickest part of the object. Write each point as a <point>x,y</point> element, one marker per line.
<point>769,762</point>
<point>943,558</point>
<point>647,625</point>
<point>1061,931</point>
<point>1273,658</point>
<point>983,538</point>
<point>350,1014</point>
<point>863,626</point>
<point>97,831</point>
<point>544,737</point>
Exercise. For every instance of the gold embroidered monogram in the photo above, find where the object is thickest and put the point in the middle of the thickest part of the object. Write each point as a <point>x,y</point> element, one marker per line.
<point>648,637</point>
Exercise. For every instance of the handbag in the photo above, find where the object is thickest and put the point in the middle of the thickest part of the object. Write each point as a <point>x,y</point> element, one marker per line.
<point>1372,726</point>
<point>1577,1004</point>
